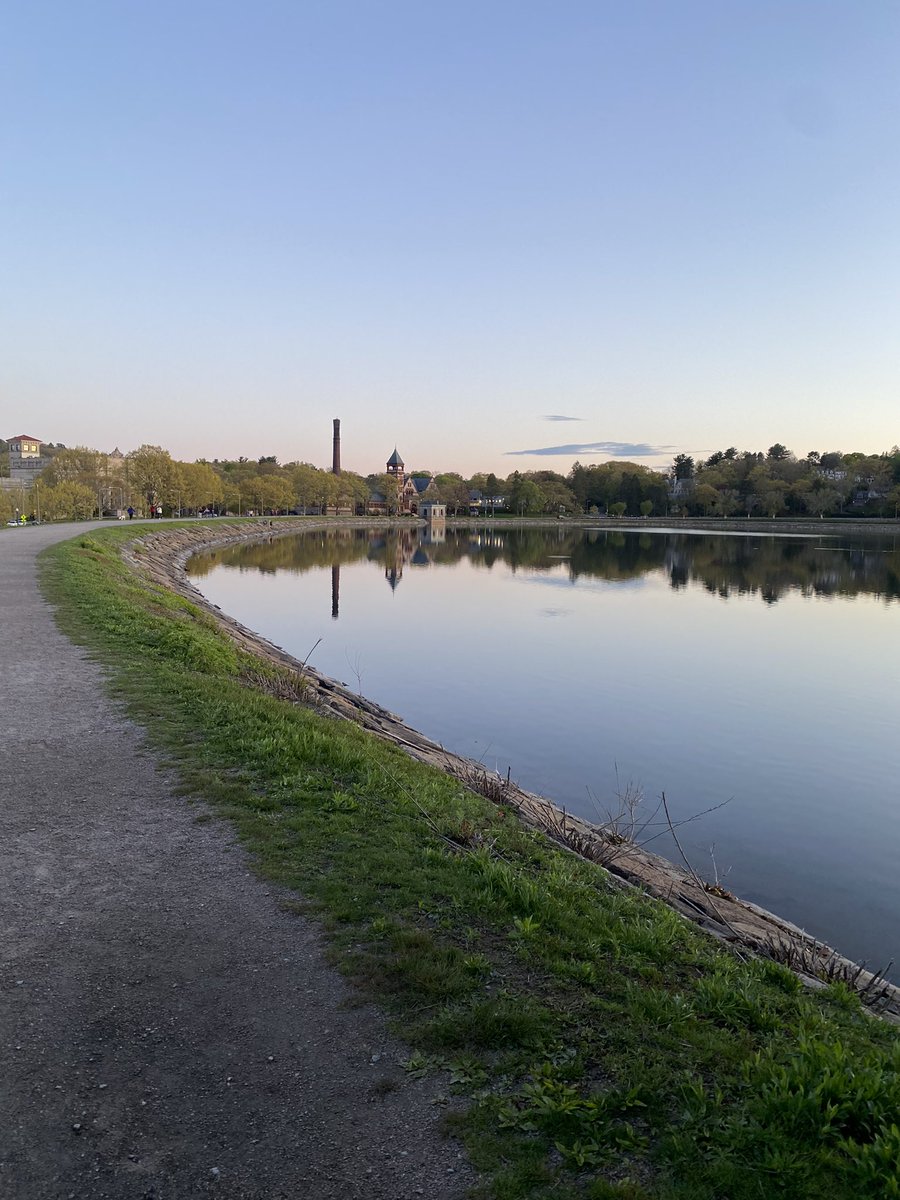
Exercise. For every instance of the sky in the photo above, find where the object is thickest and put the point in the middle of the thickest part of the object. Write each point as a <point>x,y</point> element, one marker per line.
<point>496,235</point>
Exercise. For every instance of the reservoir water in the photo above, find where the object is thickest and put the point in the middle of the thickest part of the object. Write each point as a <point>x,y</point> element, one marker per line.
<point>756,673</point>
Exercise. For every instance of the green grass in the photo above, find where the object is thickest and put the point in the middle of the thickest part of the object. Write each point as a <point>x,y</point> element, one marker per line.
<point>607,1048</point>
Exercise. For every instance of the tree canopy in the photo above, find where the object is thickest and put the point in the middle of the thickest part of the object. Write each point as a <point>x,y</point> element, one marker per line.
<point>729,482</point>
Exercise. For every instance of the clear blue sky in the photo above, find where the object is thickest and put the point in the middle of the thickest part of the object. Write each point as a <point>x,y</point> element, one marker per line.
<point>223,224</point>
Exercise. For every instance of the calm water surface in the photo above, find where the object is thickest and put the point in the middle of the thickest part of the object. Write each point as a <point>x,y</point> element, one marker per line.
<point>761,671</point>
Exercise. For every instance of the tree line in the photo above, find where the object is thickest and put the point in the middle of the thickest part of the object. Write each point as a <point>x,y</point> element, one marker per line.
<point>778,483</point>
<point>80,483</point>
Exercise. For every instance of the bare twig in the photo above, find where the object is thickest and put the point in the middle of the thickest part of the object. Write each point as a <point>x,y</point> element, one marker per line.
<point>309,655</point>
<point>354,667</point>
<point>716,887</point>
<point>693,874</point>
<point>666,825</point>
<point>486,783</point>
<point>284,686</point>
<point>821,962</point>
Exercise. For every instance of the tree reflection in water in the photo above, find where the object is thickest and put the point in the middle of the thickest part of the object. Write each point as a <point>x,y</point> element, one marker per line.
<point>754,564</point>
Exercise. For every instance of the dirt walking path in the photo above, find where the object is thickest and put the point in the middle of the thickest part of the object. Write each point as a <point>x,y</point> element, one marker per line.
<point>167,1029</point>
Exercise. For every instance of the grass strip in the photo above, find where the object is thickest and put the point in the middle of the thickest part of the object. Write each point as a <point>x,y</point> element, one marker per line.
<point>606,1048</point>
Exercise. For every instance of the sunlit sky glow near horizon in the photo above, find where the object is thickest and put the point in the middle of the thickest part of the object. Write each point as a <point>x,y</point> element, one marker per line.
<point>451,225</point>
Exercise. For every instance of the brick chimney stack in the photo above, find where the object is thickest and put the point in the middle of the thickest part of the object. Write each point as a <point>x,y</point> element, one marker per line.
<point>336,459</point>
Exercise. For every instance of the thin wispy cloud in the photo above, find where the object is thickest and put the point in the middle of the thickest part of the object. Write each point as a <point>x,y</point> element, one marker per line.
<point>613,449</point>
<point>559,417</point>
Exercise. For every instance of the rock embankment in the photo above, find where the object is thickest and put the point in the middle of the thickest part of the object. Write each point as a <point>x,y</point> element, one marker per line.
<point>162,555</point>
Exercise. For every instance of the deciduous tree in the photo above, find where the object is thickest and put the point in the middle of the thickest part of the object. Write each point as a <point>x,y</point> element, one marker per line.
<point>152,473</point>
<point>198,486</point>
<point>68,501</point>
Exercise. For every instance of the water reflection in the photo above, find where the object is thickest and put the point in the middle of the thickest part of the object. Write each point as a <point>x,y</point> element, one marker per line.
<point>767,567</point>
<point>760,669</point>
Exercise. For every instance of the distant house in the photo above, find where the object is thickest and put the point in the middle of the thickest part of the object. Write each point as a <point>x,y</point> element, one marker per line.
<point>680,489</point>
<point>25,462</point>
<point>864,494</point>
<point>414,488</point>
<point>410,488</point>
<point>479,503</point>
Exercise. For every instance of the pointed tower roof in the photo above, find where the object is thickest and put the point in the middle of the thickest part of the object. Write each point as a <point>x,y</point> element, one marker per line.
<point>395,460</point>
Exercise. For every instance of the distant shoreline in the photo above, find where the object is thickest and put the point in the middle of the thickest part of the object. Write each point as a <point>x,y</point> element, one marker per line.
<point>775,526</point>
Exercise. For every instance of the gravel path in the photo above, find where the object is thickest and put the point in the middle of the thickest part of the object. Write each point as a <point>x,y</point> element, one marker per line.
<point>166,1029</point>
